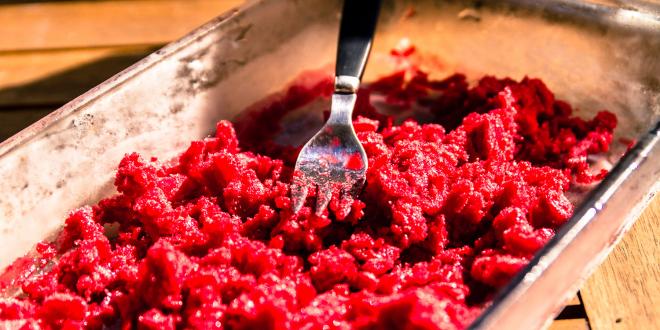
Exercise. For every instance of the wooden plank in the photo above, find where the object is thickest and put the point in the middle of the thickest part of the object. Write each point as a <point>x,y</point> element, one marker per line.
<point>55,77</point>
<point>103,23</point>
<point>624,292</point>
<point>571,324</point>
<point>12,121</point>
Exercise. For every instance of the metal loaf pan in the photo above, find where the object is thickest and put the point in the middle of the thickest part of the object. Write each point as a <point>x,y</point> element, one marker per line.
<point>594,56</point>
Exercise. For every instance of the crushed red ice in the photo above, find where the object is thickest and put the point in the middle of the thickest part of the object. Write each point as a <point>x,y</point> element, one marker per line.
<point>452,210</point>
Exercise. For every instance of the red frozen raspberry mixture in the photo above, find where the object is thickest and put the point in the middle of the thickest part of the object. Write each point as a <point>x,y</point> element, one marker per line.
<point>452,209</point>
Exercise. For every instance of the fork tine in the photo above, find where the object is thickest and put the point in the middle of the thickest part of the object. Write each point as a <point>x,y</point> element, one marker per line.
<point>323,198</point>
<point>298,195</point>
<point>344,197</point>
<point>356,188</point>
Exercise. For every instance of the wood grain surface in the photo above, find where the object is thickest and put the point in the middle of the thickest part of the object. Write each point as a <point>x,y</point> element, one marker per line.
<point>83,24</point>
<point>51,52</point>
<point>53,77</point>
<point>624,292</point>
<point>570,324</point>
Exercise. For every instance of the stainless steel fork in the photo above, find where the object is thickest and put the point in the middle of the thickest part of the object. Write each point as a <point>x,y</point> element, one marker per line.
<point>334,159</point>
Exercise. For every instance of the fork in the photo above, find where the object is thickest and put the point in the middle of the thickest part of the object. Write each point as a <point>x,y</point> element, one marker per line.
<point>334,159</point>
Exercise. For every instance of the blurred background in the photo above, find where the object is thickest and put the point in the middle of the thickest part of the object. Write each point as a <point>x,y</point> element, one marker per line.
<point>53,51</point>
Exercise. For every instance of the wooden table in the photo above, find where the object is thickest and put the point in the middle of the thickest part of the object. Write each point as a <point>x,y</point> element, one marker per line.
<point>54,51</point>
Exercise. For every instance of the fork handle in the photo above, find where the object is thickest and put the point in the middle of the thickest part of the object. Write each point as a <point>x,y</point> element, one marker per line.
<point>358,23</point>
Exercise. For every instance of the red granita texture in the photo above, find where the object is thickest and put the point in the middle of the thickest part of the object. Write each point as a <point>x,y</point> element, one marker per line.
<point>452,209</point>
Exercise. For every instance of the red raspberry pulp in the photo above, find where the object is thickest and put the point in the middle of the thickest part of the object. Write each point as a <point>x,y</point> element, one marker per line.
<point>452,210</point>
